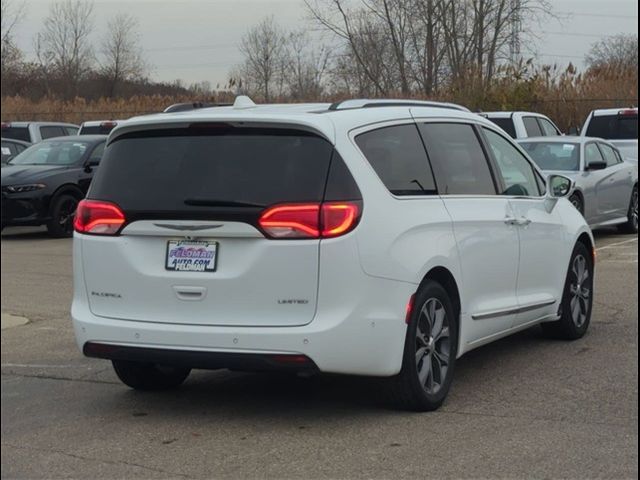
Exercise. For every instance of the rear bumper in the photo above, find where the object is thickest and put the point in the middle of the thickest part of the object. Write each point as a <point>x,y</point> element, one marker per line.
<point>365,340</point>
<point>201,359</point>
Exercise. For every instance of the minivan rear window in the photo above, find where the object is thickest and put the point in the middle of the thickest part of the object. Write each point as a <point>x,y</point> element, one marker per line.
<point>207,168</point>
<point>614,127</point>
<point>17,133</point>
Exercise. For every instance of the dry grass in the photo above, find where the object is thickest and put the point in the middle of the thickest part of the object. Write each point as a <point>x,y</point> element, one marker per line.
<point>564,95</point>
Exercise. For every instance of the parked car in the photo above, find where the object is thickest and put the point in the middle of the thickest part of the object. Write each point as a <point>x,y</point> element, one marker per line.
<point>618,125</point>
<point>43,184</point>
<point>11,147</point>
<point>34,132</point>
<point>524,124</point>
<point>322,238</point>
<point>606,187</point>
<point>98,127</point>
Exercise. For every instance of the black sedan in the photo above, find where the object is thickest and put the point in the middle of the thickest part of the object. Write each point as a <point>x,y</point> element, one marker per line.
<point>43,184</point>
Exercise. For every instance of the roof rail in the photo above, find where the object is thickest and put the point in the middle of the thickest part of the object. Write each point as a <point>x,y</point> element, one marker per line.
<point>368,103</point>
<point>183,107</point>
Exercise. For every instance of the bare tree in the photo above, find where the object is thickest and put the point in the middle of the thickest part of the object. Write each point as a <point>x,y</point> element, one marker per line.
<point>122,57</point>
<point>11,15</point>
<point>618,51</point>
<point>263,47</point>
<point>305,66</point>
<point>63,47</point>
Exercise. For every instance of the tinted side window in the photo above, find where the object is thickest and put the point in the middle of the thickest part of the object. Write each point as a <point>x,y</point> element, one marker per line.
<point>592,154</point>
<point>609,155</point>
<point>547,128</point>
<point>506,124</point>
<point>532,127</point>
<point>518,174</point>
<point>397,155</point>
<point>458,159</point>
<point>50,132</point>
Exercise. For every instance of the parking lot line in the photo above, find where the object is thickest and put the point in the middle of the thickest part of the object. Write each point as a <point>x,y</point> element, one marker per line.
<point>612,245</point>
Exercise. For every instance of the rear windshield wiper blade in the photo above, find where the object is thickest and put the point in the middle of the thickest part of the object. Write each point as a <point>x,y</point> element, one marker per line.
<point>208,202</point>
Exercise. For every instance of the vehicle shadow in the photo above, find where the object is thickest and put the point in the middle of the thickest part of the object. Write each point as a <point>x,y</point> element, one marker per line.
<point>281,397</point>
<point>25,233</point>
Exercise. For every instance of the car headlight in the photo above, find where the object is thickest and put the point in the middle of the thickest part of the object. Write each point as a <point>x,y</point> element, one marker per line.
<point>24,188</point>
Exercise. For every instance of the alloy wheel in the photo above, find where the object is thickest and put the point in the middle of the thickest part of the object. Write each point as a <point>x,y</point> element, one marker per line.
<point>433,348</point>
<point>580,290</point>
<point>66,214</point>
<point>634,209</point>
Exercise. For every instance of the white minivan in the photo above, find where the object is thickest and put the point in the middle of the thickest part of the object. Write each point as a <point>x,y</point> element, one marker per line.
<point>381,238</point>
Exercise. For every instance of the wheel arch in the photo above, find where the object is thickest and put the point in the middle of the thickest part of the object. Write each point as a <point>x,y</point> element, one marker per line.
<point>66,189</point>
<point>444,277</point>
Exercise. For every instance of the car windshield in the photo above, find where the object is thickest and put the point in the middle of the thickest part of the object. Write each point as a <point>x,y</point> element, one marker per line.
<point>614,127</point>
<point>52,153</point>
<point>554,155</point>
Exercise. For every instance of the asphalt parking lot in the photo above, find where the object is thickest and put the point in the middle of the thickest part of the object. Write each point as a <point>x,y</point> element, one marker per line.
<point>522,407</point>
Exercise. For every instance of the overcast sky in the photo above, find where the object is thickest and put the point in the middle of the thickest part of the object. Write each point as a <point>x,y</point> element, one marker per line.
<point>196,40</point>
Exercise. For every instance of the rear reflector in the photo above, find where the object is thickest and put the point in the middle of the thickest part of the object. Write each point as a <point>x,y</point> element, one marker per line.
<point>310,220</point>
<point>98,218</point>
<point>409,309</point>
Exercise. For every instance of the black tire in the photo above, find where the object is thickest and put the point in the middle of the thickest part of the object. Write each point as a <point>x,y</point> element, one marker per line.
<point>576,201</point>
<point>578,293</point>
<point>631,225</point>
<point>407,389</point>
<point>63,209</point>
<point>149,376</point>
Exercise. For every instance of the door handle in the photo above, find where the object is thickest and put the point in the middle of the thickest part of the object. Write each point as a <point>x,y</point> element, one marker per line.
<point>522,221</point>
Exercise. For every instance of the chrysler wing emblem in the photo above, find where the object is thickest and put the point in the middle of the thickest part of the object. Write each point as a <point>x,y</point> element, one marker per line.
<point>186,228</point>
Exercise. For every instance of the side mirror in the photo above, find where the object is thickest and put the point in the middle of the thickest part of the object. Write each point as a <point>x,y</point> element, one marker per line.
<point>559,186</point>
<point>596,165</point>
<point>90,164</point>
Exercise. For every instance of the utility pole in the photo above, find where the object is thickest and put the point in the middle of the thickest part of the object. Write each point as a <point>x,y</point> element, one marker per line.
<point>516,28</point>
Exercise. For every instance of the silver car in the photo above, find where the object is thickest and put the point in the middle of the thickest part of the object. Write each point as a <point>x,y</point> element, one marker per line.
<point>606,190</point>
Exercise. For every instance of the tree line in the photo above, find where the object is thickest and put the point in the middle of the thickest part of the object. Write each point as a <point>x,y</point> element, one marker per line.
<point>426,48</point>
<point>67,61</point>
<point>460,50</point>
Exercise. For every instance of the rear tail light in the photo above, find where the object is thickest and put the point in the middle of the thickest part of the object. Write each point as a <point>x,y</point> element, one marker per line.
<point>109,124</point>
<point>628,112</point>
<point>310,220</point>
<point>98,218</point>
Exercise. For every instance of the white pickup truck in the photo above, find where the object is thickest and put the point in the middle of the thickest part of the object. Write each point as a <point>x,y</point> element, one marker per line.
<point>524,124</point>
<point>618,125</point>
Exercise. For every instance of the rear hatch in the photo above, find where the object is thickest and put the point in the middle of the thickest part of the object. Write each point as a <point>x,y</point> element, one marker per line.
<point>194,195</point>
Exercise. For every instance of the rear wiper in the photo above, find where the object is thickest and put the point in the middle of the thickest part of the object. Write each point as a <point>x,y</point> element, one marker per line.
<point>208,202</point>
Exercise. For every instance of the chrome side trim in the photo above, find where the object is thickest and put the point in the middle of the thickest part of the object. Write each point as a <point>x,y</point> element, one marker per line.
<point>512,311</point>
